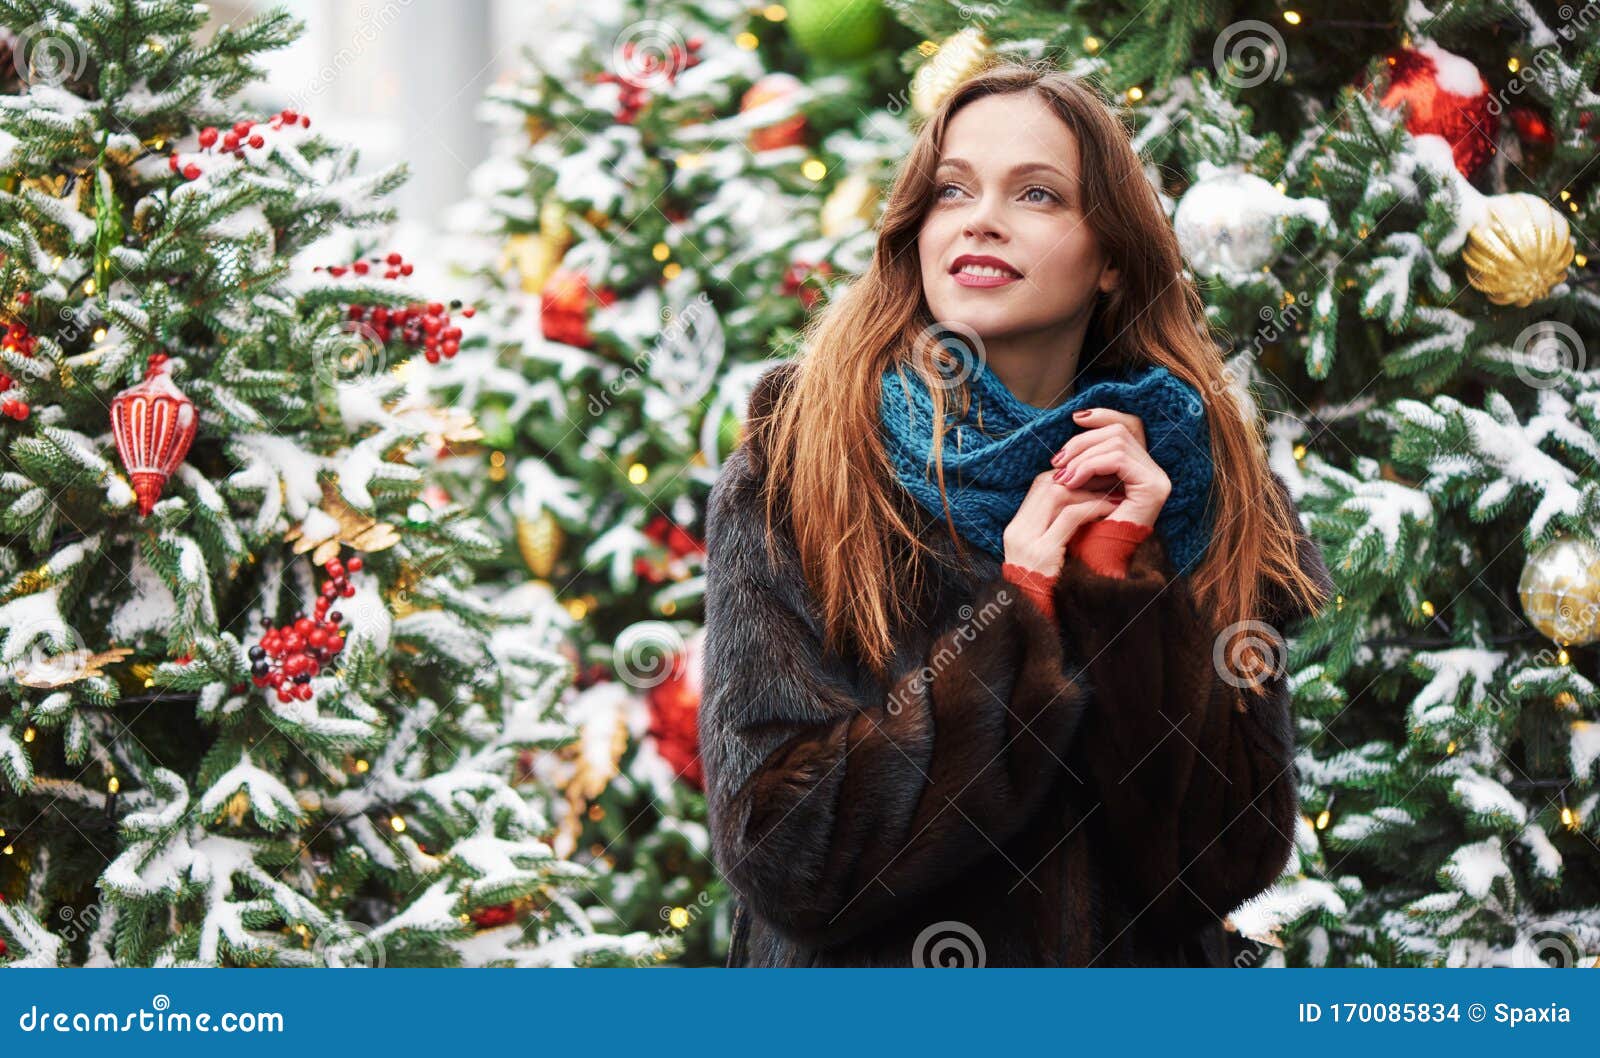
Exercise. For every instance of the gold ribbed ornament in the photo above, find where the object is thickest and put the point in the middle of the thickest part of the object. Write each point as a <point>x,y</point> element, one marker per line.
<point>1520,252</point>
<point>1560,591</point>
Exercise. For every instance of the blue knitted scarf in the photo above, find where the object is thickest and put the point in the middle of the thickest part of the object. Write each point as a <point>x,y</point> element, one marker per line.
<point>989,469</point>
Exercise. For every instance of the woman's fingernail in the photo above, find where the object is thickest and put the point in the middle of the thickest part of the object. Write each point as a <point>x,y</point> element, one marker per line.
<point>1080,413</point>
<point>1058,475</point>
<point>1055,460</point>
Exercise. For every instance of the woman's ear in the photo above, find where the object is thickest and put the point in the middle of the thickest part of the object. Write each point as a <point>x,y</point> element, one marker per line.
<point>1110,278</point>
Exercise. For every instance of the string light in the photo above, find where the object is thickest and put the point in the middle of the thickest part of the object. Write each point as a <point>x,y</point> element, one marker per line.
<point>398,824</point>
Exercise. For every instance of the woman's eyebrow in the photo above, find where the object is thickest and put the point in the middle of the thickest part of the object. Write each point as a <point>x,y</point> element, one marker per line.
<point>1026,167</point>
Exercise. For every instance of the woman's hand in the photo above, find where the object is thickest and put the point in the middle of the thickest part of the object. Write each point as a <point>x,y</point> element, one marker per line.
<point>1109,456</point>
<point>1036,537</point>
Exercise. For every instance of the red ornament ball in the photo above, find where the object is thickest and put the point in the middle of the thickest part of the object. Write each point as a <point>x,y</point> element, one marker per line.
<point>1445,96</point>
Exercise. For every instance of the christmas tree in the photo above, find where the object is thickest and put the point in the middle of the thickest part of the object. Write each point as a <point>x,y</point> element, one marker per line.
<point>250,711</point>
<point>675,187</point>
<point>1389,213</point>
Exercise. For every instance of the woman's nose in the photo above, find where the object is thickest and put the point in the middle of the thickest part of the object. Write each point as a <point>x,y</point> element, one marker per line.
<point>982,221</point>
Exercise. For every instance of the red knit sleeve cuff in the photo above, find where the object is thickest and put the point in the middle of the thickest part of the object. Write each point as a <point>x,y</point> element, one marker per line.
<point>1035,585</point>
<point>1106,545</point>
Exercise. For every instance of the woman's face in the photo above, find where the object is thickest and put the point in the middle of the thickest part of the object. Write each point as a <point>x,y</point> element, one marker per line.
<point>1007,188</point>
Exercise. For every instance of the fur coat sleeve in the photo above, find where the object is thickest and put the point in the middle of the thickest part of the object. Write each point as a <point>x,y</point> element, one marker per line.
<point>1195,776</point>
<point>833,802</point>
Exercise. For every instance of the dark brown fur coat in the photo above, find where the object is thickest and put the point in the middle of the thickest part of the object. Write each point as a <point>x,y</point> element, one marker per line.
<point>1023,794</point>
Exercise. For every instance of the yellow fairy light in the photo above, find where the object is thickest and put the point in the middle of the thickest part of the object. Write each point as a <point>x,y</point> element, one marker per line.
<point>1565,195</point>
<point>672,270</point>
<point>1566,816</point>
<point>1292,17</point>
<point>362,765</point>
<point>1562,658</point>
<point>1427,608</point>
<point>398,824</point>
<point>669,607</point>
<point>88,286</point>
<point>1580,260</point>
<point>99,334</point>
<point>497,459</point>
<point>1091,44</point>
<point>113,785</point>
<point>774,13</point>
<point>661,251</point>
<point>55,263</point>
<point>1299,452</point>
<point>1280,187</point>
<point>1135,94</point>
<point>27,736</point>
<point>678,917</point>
<point>1322,820</point>
<point>638,474</point>
<point>747,41</point>
<point>1513,64</point>
<point>1572,206</point>
<point>10,849</point>
<point>577,608</point>
<point>690,160</point>
<point>1451,748</point>
<point>814,169</point>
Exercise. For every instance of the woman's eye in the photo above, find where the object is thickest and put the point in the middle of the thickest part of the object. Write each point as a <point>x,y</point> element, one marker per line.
<point>939,191</point>
<point>1043,191</point>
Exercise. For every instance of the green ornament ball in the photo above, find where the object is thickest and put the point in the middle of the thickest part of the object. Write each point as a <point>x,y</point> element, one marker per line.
<point>498,431</point>
<point>836,29</point>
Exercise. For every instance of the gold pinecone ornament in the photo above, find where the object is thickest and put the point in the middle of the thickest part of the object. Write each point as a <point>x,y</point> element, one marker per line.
<point>1519,254</point>
<point>539,539</point>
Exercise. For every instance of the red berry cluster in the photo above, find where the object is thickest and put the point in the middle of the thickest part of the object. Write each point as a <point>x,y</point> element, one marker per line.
<point>18,339</point>
<point>236,139</point>
<point>424,325</point>
<point>288,657</point>
<point>634,90</point>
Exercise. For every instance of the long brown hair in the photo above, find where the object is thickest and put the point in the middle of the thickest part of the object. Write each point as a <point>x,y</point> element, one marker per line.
<point>861,559</point>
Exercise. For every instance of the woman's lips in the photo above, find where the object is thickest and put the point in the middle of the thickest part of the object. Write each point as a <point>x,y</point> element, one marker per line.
<point>966,279</point>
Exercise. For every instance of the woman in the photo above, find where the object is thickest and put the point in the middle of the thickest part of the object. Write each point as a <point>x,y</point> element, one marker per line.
<point>939,722</point>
